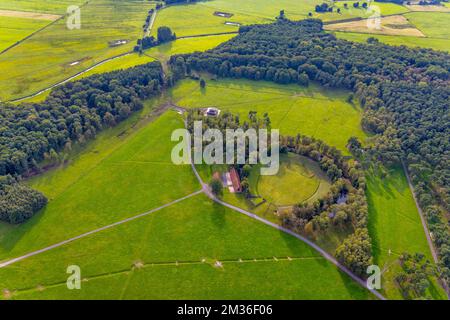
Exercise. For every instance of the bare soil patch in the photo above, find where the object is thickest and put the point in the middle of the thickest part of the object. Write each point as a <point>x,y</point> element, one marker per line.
<point>392,25</point>
<point>28,15</point>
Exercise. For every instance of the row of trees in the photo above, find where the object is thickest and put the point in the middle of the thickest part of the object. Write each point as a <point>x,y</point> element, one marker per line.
<point>404,91</point>
<point>73,113</point>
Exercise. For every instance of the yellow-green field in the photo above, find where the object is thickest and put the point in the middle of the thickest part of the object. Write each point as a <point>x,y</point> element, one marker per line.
<point>49,6</point>
<point>314,111</point>
<point>188,45</point>
<point>435,25</point>
<point>57,53</point>
<point>298,180</point>
<point>199,18</point>
<point>13,29</point>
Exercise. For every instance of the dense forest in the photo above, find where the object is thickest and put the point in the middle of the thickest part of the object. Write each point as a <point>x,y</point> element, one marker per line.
<point>405,93</point>
<point>73,113</point>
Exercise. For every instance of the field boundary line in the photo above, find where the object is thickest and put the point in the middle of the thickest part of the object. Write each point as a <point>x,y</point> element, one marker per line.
<point>59,244</point>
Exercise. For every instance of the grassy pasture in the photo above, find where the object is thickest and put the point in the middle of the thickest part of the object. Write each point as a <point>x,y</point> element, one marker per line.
<point>385,8</point>
<point>187,45</point>
<point>432,43</point>
<point>199,18</point>
<point>129,175</point>
<point>395,227</point>
<point>193,19</point>
<point>161,53</point>
<point>172,254</point>
<point>444,7</point>
<point>432,24</point>
<point>13,29</point>
<point>293,109</point>
<point>56,53</point>
<point>391,25</point>
<point>299,179</point>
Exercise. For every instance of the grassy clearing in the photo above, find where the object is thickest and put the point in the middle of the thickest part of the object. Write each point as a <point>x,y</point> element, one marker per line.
<point>128,175</point>
<point>195,233</point>
<point>193,19</point>
<point>56,53</point>
<point>161,53</point>
<point>299,179</point>
<point>188,45</point>
<point>293,109</point>
<point>395,227</point>
<point>13,29</point>
<point>392,25</point>
<point>432,43</point>
<point>433,24</point>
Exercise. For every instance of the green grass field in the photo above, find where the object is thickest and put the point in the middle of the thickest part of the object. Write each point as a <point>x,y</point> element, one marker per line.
<point>293,109</point>
<point>56,53</point>
<point>53,6</point>
<point>165,252</point>
<point>433,24</point>
<point>161,53</point>
<point>130,175</point>
<point>199,18</point>
<point>14,29</point>
<point>299,179</point>
<point>188,45</point>
<point>395,227</point>
<point>168,252</point>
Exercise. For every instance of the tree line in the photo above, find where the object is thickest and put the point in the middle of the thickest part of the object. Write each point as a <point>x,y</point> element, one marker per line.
<point>73,113</point>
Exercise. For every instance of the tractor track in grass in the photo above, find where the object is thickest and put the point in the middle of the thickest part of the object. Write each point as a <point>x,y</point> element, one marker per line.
<point>147,265</point>
<point>59,244</point>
